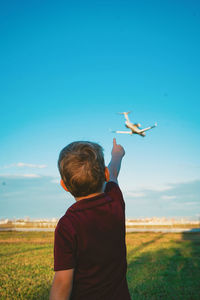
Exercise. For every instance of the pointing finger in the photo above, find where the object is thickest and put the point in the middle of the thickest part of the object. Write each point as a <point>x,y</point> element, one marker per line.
<point>114,142</point>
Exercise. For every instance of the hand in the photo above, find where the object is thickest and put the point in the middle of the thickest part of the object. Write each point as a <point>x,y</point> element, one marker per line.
<point>117,150</point>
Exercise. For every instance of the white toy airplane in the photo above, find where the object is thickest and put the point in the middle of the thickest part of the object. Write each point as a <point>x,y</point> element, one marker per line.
<point>135,128</point>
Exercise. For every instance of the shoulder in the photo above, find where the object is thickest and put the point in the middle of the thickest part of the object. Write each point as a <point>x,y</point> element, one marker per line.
<point>112,186</point>
<point>113,190</point>
<point>65,226</point>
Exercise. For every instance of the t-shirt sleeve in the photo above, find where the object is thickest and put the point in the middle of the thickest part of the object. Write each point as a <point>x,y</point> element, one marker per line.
<point>113,190</point>
<point>64,245</point>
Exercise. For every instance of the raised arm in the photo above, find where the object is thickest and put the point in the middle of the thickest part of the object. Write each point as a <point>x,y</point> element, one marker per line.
<point>115,163</point>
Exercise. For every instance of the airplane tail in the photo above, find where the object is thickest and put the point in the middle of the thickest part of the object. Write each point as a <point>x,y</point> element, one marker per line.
<point>124,112</point>
<point>125,115</point>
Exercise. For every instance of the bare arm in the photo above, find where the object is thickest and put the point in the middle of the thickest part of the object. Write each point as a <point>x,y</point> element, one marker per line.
<point>115,163</point>
<point>62,285</point>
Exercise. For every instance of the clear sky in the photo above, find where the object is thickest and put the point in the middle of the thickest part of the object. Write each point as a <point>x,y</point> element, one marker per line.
<point>68,67</point>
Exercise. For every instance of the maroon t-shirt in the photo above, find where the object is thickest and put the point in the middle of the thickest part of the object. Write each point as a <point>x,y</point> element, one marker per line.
<point>90,238</point>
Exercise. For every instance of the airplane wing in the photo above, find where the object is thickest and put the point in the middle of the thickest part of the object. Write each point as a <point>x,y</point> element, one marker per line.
<point>145,129</point>
<point>128,132</point>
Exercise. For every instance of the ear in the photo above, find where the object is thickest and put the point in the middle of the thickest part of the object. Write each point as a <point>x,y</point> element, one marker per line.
<point>107,174</point>
<point>63,185</point>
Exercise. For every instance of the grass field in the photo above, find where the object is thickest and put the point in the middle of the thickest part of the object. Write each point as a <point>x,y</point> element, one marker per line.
<point>160,266</point>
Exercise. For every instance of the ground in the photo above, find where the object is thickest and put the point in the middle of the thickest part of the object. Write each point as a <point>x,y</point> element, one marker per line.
<point>160,266</point>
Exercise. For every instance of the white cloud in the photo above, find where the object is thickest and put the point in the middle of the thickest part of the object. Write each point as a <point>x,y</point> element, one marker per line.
<point>168,197</point>
<point>55,180</point>
<point>145,190</point>
<point>160,188</point>
<point>134,194</point>
<point>20,175</point>
<point>27,165</point>
<point>31,175</point>
<point>191,203</point>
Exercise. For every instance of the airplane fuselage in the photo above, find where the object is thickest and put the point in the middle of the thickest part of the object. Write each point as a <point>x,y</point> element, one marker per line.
<point>134,128</point>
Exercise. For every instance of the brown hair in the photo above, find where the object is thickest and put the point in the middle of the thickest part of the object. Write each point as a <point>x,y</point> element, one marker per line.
<point>82,168</point>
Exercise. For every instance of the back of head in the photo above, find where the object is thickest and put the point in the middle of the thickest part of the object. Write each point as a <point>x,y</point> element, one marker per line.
<point>82,168</point>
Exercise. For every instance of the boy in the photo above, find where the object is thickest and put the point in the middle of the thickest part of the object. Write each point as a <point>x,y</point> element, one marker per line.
<point>89,248</point>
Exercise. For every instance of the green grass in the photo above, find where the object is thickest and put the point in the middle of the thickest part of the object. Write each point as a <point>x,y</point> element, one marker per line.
<point>164,266</point>
<point>160,266</point>
<point>26,265</point>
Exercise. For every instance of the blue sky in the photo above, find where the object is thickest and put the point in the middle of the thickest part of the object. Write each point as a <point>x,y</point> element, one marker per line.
<point>67,68</point>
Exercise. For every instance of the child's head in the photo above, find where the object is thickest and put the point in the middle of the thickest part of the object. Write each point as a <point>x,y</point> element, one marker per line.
<point>82,168</point>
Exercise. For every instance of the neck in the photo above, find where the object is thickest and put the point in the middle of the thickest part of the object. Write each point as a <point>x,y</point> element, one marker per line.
<point>92,195</point>
<point>87,197</point>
